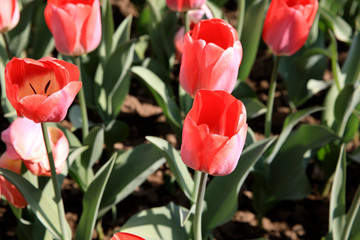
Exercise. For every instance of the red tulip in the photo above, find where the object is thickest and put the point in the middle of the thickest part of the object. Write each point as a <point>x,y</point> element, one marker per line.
<point>125,236</point>
<point>184,5</point>
<point>41,90</point>
<point>24,140</point>
<point>9,15</point>
<point>6,188</point>
<point>211,57</point>
<point>75,25</point>
<point>287,25</point>
<point>214,133</point>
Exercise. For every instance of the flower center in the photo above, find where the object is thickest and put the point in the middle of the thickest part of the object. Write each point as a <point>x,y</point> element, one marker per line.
<point>44,85</point>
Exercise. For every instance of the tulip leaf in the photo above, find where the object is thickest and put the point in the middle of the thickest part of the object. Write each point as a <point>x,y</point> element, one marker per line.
<point>254,107</point>
<point>130,170</point>
<point>122,33</point>
<point>352,224</point>
<point>337,208</point>
<point>177,166</point>
<point>116,131</point>
<point>251,34</point>
<point>351,67</point>
<point>107,29</point>
<point>91,201</point>
<point>158,223</point>
<point>94,141</point>
<point>222,193</point>
<point>41,202</point>
<point>160,93</point>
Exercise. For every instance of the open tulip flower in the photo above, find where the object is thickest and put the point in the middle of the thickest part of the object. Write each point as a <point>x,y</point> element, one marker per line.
<point>6,188</point>
<point>9,15</point>
<point>41,90</point>
<point>75,25</point>
<point>24,140</point>
<point>126,236</point>
<point>211,57</point>
<point>214,133</point>
<point>287,25</point>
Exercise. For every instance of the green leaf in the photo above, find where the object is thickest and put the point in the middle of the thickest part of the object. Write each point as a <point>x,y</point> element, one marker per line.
<point>254,107</point>
<point>107,29</point>
<point>351,66</point>
<point>130,171</point>
<point>91,201</point>
<point>251,34</point>
<point>352,224</point>
<point>94,141</point>
<point>177,166</point>
<point>337,209</point>
<point>222,193</point>
<point>122,33</point>
<point>158,223</point>
<point>41,203</point>
<point>116,131</point>
<point>160,93</point>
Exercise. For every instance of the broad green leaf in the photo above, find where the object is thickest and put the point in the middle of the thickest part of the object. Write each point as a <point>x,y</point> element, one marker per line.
<point>337,209</point>
<point>251,34</point>
<point>20,35</point>
<point>116,131</point>
<point>41,202</point>
<point>158,223</point>
<point>352,224</point>
<point>351,66</point>
<point>254,107</point>
<point>186,101</point>
<point>122,33</point>
<point>340,27</point>
<point>289,124</point>
<point>107,29</point>
<point>160,93</point>
<point>215,10</point>
<point>176,165</point>
<point>91,201</point>
<point>222,193</point>
<point>130,170</point>
<point>94,141</point>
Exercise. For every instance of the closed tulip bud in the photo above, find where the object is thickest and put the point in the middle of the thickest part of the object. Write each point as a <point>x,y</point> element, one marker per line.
<point>41,90</point>
<point>6,188</point>
<point>75,25</point>
<point>184,5</point>
<point>24,140</point>
<point>287,25</point>
<point>126,236</point>
<point>214,133</point>
<point>9,15</point>
<point>211,57</point>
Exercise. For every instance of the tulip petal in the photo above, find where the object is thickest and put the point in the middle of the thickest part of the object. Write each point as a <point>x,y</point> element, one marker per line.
<point>91,25</point>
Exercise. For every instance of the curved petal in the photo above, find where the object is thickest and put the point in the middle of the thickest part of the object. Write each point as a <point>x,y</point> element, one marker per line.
<point>91,28</point>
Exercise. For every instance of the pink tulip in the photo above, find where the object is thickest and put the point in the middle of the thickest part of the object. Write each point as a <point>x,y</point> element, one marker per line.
<point>214,133</point>
<point>184,5</point>
<point>75,25</point>
<point>6,188</point>
<point>211,57</point>
<point>126,236</point>
<point>41,90</point>
<point>9,15</point>
<point>24,140</point>
<point>287,25</point>
<point>194,15</point>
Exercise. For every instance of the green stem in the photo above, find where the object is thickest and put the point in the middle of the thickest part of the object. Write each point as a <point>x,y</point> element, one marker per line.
<point>54,179</point>
<point>270,101</point>
<point>82,102</point>
<point>199,207</point>
<point>186,22</point>
<point>7,46</point>
<point>240,23</point>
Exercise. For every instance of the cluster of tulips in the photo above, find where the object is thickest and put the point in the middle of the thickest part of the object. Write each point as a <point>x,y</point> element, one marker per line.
<point>215,128</point>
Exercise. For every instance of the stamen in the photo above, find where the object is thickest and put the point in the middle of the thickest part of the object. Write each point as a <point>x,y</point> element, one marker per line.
<point>32,88</point>
<point>47,86</point>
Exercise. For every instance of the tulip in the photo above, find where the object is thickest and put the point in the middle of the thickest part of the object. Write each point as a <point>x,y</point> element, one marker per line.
<point>125,236</point>
<point>194,16</point>
<point>41,90</point>
<point>211,57</point>
<point>184,5</point>
<point>214,133</point>
<point>9,15</point>
<point>24,140</point>
<point>75,25</point>
<point>6,188</point>
<point>287,25</point>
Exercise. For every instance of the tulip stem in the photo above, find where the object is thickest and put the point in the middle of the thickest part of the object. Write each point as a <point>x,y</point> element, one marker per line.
<point>186,22</point>
<point>54,179</point>
<point>82,102</point>
<point>199,207</point>
<point>270,100</point>
<point>7,47</point>
<point>240,22</point>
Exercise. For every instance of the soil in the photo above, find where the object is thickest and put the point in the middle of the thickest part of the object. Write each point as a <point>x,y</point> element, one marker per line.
<point>293,220</point>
